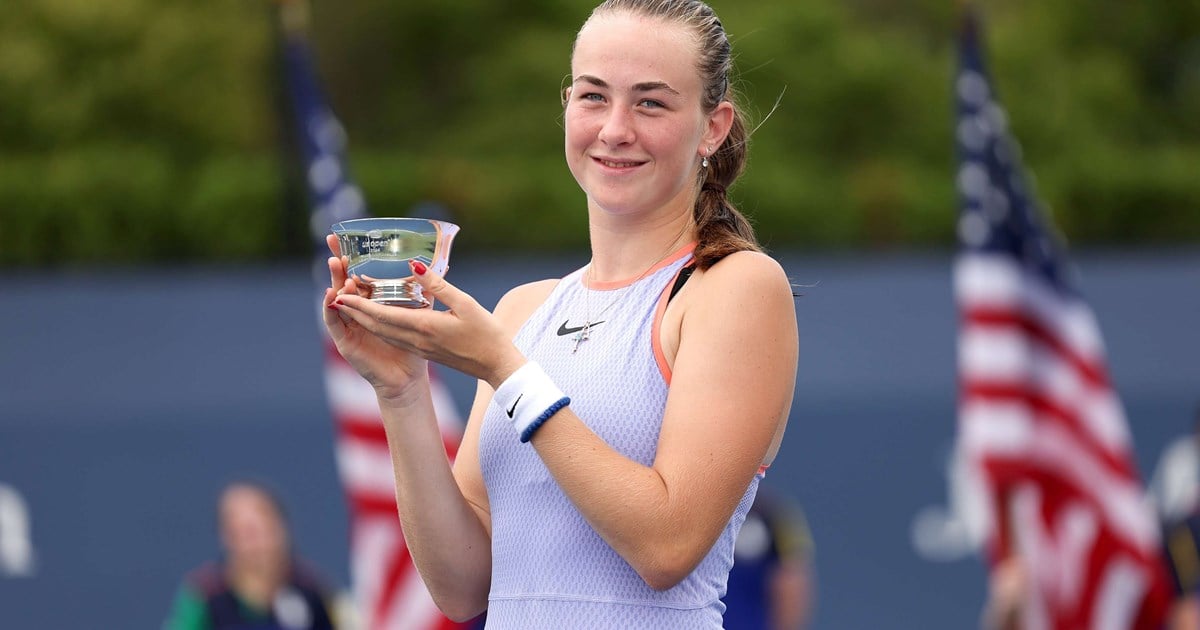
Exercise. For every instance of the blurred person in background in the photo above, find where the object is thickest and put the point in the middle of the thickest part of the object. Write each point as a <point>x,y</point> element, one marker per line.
<point>626,413</point>
<point>1181,534</point>
<point>1181,542</point>
<point>1175,484</point>
<point>258,583</point>
<point>771,585</point>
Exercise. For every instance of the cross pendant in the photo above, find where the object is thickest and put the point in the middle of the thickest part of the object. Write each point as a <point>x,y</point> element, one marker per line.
<point>581,336</point>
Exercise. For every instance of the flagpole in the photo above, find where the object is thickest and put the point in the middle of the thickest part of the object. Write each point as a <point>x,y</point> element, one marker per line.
<point>289,17</point>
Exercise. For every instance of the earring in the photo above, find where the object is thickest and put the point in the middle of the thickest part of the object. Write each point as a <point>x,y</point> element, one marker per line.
<point>704,162</point>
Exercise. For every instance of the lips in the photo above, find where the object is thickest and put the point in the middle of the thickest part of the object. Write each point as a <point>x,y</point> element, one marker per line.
<point>611,163</point>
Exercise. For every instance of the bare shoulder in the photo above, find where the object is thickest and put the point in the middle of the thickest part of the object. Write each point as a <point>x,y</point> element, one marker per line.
<point>746,274</point>
<point>521,301</point>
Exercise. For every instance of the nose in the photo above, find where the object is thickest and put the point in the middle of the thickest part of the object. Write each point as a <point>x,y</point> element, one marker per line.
<point>618,127</point>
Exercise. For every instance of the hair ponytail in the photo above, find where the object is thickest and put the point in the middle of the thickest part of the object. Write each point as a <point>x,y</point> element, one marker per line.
<point>721,229</point>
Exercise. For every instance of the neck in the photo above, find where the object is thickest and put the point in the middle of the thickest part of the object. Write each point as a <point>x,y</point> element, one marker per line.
<point>256,584</point>
<point>624,246</point>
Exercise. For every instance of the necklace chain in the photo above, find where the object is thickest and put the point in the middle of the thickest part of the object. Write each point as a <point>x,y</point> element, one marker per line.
<point>585,332</point>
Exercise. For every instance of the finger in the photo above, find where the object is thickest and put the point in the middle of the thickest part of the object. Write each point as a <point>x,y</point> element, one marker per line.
<point>331,314</point>
<point>350,310</point>
<point>335,248</point>
<point>365,284</point>
<point>436,286</point>
<point>354,285</point>
<point>337,272</point>
<point>394,325</point>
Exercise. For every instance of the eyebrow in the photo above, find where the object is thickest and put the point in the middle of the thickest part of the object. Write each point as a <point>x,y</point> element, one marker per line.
<point>645,86</point>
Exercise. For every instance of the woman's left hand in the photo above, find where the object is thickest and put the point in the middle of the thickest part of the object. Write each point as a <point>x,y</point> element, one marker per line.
<point>466,337</point>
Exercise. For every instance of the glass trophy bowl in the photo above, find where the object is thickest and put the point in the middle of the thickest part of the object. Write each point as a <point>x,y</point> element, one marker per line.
<point>380,249</point>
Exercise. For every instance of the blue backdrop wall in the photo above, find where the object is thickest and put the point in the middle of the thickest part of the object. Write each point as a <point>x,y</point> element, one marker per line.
<point>127,397</point>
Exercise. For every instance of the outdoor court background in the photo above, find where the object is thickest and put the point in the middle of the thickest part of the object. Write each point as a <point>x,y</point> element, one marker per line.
<point>128,396</point>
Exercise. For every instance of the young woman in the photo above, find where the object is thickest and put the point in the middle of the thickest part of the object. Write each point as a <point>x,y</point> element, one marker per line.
<point>625,413</point>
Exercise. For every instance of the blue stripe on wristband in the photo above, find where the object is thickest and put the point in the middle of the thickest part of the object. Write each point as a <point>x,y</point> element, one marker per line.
<point>537,423</point>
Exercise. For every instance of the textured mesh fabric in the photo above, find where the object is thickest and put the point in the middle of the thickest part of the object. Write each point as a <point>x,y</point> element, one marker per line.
<point>550,569</point>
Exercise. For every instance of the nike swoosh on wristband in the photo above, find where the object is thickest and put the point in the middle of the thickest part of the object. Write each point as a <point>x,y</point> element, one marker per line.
<point>564,330</point>
<point>513,408</point>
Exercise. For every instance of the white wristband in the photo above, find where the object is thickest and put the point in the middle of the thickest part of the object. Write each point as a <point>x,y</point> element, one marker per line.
<point>528,397</point>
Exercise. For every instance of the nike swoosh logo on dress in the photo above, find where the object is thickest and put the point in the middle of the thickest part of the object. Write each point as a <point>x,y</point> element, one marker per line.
<point>564,330</point>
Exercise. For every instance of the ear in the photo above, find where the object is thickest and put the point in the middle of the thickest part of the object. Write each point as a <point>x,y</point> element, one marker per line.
<point>565,95</point>
<point>719,123</point>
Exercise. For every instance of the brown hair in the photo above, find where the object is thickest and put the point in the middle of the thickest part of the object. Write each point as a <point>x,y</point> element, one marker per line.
<point>721,228</point>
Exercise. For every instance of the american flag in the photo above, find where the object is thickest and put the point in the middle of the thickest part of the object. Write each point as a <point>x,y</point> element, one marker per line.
<point>388,589</point>
<point>1039,421</point>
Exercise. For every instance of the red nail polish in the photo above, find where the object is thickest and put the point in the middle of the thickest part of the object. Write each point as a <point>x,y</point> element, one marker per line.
<point>333,306</point>
<point>418,267</point>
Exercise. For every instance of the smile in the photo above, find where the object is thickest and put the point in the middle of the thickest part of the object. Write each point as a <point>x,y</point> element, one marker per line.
<point>615,164</point>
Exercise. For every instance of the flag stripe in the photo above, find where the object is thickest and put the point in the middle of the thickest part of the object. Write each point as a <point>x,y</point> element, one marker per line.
<point>397,570</point>
<point>366,505</point>
<point>1047,410</point>
<point>365,469</point>
<point>1067,472</point>
<point>367,430</point>
<point>987,279</point>
<point>370,432</point>
<point>1034,332</point>
<point>412,606</point>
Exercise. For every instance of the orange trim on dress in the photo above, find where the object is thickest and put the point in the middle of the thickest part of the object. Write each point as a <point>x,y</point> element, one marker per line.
<point>659,311</point>
<point>656,326</point>
<point>620,284</point>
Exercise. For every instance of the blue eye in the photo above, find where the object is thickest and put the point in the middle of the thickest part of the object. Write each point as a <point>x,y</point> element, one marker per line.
<point>591,96</point>
<point>651,103</point>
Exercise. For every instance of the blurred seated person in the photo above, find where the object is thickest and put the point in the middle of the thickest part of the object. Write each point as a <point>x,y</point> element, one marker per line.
<point>258,584</point>
<point>1181,541</point>
<point>771,585</point>
<point>1179,506</point>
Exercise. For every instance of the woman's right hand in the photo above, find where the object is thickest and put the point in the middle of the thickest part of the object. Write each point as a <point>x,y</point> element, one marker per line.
<point>394,373</point>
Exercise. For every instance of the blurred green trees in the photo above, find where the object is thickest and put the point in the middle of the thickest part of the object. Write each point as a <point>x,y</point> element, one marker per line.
<point>142,130</point>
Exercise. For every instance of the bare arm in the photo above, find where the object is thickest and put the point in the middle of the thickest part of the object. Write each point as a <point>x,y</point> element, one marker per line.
<point>445,532</point>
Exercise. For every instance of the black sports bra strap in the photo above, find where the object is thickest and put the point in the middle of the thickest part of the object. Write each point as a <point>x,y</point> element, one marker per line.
<point>680,279</point>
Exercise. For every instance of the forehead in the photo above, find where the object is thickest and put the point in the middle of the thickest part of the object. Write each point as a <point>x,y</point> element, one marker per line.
<point>627,49</point>
<point>242,500</point>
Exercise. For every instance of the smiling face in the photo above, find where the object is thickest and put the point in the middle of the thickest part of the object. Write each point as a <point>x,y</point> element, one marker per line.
<point>635,130</point>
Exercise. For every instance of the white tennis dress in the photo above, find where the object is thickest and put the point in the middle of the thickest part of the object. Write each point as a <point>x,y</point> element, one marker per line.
<point>550,569</point>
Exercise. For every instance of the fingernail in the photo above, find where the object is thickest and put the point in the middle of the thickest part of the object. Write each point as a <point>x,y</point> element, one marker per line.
<point>338,303</point>
<point>418,267</point>
<point>333,306</point>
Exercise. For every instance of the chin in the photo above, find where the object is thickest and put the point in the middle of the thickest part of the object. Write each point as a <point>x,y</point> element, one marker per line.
<point>617,206</point>
<point>618,200</point>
